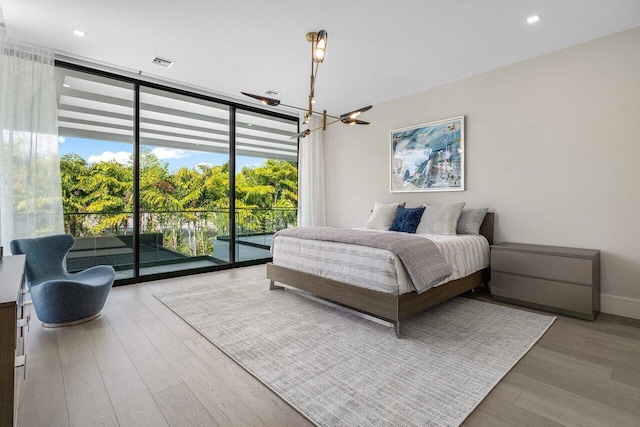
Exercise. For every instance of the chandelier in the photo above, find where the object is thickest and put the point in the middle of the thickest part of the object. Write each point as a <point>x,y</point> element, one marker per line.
<point>318,51</point>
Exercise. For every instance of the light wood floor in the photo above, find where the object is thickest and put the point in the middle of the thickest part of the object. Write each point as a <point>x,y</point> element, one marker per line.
<point>141,365</point>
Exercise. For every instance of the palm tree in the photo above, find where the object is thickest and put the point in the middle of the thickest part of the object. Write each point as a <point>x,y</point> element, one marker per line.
<point>108,187</point>
<point>195,200</point>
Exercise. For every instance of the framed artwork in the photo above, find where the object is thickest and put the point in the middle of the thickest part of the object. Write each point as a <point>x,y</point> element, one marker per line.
<point>428,157</point>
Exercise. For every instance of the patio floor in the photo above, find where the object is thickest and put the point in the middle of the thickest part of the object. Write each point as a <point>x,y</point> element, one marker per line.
<point>117,251</point>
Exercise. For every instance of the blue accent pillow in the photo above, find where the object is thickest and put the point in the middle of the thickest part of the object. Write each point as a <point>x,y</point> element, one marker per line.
<point>407,220</point>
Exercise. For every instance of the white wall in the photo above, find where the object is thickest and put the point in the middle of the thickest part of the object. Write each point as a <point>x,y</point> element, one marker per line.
<point>552,147</point>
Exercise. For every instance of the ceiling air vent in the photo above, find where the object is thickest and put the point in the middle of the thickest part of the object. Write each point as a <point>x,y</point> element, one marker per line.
<point>163,62</point>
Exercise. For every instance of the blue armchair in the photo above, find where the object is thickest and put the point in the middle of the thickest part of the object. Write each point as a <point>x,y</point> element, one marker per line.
<point>61,298</point>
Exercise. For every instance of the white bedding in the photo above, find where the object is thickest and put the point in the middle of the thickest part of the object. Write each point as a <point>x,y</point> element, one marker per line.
<point>374,268</point>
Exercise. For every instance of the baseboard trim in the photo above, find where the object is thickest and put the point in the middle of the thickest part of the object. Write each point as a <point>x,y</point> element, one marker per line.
<point>620,306</point>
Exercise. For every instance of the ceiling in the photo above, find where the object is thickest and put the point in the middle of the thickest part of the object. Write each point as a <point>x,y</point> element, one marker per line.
<point>377,49</point>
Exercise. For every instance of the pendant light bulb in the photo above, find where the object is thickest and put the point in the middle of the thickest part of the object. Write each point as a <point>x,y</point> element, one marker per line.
<point>321,46</point>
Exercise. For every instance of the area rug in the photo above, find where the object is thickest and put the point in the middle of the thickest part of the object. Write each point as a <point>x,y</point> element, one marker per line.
<point>339,369</point>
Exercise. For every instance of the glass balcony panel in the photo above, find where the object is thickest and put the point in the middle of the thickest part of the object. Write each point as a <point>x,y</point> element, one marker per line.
<point>184,182</point>
<point>266,182</point>
<point>95,128</point>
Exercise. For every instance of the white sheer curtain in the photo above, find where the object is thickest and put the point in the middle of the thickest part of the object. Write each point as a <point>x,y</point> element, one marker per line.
<point>311,200</point>
<point>30,192</point>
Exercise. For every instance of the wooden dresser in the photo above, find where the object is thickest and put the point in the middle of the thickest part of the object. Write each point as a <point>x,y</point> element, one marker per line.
<point>557,279</point>
<point>14,321</point>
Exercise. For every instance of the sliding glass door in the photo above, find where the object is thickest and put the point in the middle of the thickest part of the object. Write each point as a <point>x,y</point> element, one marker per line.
<point>266,182</point>
<point>96,145</point>
<point>184,182</point>
<point>157,182</point>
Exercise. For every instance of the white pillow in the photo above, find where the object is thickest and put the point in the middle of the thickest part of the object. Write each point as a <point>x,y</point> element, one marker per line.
<point>383,215</point>
<point>471,220</point>
<point>440,219</point>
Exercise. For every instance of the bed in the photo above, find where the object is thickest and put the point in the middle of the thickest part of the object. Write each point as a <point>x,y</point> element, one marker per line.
<point>389,306</point>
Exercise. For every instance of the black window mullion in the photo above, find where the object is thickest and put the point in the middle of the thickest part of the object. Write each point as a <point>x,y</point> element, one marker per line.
<point>232,184</point>
<point>136,181</point>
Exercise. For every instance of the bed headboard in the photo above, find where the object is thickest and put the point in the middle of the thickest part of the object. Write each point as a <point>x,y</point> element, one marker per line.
<point>486,229</point>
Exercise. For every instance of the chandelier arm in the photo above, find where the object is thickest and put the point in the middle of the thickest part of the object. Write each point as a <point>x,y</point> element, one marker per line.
<point>312,81</point>
<point>304,109</point>
<point>314,76</point>
<point>306,132</point>
<point>320,127</point>
<point>328,115</point>
<point>329,123</point>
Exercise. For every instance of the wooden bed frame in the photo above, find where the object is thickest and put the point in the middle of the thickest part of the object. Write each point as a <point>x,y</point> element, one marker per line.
<point>390,307</point>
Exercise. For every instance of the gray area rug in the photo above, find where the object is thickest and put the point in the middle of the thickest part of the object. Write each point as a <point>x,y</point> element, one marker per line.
<point>341,370</point>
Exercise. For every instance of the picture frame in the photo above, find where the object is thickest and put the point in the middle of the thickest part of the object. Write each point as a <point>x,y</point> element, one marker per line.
<point>428,157</point>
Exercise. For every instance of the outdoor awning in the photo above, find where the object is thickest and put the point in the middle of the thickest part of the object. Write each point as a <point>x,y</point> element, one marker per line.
<point>94,107</point>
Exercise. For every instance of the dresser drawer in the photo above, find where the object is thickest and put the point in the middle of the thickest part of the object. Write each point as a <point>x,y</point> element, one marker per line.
<point>548,293</point>
<point>553,267</point>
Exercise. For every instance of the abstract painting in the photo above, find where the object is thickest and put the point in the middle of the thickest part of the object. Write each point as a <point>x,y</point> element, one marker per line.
<point>428,157</point>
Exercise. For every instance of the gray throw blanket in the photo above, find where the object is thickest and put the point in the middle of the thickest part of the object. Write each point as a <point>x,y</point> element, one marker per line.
<point>421,257</point>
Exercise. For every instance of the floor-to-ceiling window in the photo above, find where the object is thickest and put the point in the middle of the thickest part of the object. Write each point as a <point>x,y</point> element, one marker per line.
<point>184,179</point>
<point>96,145</point>
<point>266,181</point>
<point>157,181</point>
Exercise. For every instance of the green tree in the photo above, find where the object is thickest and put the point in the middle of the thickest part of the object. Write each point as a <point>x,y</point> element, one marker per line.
<point>108,189</point>
<point>190,207</point>
<point>73,170</point>
<point>158,202</point>
<point>268,194</point>
<point>189,185</point>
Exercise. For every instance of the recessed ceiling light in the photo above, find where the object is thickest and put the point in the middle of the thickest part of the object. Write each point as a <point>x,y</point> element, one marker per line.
<point>79,33</point>
<point>533,19</point>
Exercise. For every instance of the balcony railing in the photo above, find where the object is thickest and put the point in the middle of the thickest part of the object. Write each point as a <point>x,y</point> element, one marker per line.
<point>172,239</point>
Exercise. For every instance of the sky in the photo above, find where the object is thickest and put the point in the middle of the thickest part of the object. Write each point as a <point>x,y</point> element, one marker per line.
<point>94,151</point>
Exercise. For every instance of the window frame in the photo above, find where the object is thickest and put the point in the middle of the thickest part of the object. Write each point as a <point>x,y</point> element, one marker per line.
<point>233,107</point>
